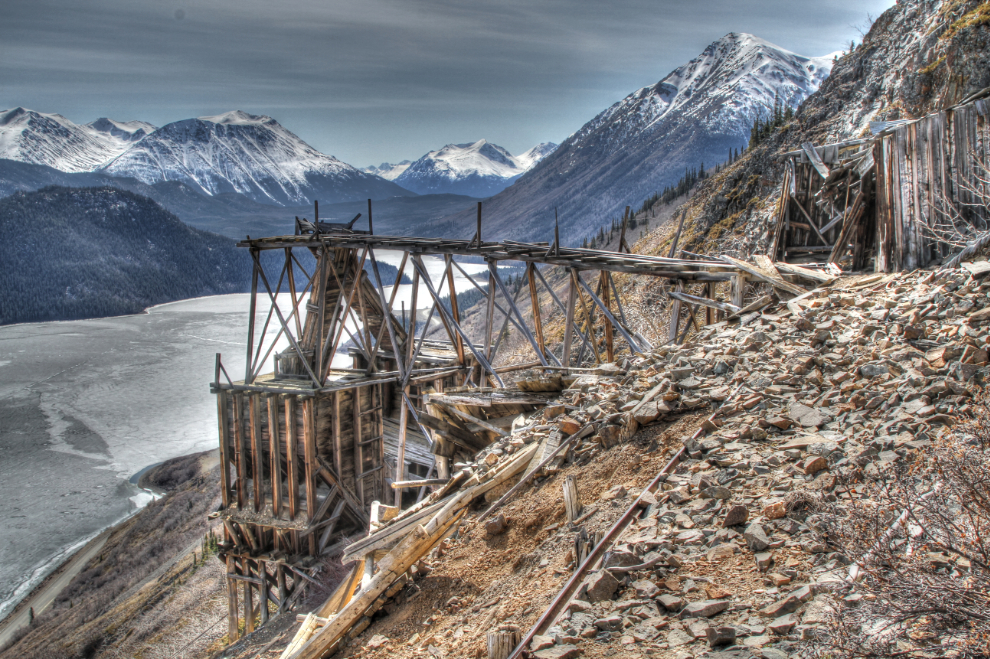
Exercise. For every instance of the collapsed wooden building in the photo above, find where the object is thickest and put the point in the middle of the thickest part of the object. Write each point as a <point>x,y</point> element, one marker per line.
<point>891,200</point>
<point>312,450</point>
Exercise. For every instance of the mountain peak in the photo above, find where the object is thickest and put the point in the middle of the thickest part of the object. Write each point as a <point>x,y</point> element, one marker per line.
<point>478,169</point>
<point>239,118</point>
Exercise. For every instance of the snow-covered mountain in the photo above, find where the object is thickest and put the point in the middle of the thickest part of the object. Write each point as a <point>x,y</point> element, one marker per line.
<point>51,139</point>
<point>478,169</point>
<point>387,170</point>
<point>645,141</point>
<point>250,155</point>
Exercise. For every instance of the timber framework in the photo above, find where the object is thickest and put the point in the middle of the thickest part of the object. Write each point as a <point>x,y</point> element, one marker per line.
<point>311,450</point>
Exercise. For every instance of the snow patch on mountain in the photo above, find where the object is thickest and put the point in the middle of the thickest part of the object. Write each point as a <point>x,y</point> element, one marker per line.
<point>478,169</point>
<point>50,139</point>
<point>387,170</point>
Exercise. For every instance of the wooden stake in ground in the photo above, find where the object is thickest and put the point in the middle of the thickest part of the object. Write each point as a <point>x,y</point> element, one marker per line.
<point>502,643</point>
<point>572,503</point>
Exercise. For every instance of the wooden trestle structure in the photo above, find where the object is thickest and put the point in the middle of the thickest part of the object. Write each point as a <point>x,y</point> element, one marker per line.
<point>883,198</point>
<point>309,448</point>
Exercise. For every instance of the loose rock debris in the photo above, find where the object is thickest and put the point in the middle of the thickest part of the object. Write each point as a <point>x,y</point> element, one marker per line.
<point>720,561</point>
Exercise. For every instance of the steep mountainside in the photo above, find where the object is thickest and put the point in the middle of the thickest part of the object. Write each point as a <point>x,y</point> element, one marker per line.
<point>83,253</point>
<point>695,114</point>
<point>53,140</point>
<point>478,169</point>
<point>919,57</point>
<point>247,154</point>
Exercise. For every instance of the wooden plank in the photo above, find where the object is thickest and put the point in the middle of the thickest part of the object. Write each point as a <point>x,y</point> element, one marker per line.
<point>705,302</point>
<point>484,424</point>
<point>814,275</point>
<point>257,462</point>
<point>252,306</point>
<point>401,485</point>
<point>816,160</point>
<point>793,289</point>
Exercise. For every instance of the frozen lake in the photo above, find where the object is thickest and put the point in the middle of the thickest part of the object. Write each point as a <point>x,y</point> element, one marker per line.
<point>86,404</point>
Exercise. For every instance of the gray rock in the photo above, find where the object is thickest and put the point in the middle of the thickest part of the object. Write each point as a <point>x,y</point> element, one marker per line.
<point>721,635</point>
<point>645,588</point>
<point>735,516</point>
<point>705,609</point>
<point>671,602</point>
<point>756,538</point>
<point>783,624</point>
<point>601,586</point>
<point>678,637</point>
<point>609,624</point>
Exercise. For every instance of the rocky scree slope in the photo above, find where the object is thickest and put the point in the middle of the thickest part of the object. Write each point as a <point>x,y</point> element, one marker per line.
<point>643,143</point>
<point>773,411</point>
<point>919,57</point>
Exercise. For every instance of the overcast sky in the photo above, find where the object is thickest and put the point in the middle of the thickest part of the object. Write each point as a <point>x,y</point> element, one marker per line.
<point>376,80</point>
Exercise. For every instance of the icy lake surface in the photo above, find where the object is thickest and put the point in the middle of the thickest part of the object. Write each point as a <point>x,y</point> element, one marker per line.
<point>86,404</point>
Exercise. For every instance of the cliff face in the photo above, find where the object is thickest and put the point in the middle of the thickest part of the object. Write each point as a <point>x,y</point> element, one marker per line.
<point>917,58</point>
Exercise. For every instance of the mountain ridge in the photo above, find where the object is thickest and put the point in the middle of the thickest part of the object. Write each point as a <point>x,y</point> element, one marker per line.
<point>644,142</point>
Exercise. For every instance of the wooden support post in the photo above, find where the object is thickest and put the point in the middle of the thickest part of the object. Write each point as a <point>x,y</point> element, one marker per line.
<point>738,289</point>
<point>263,592</point>
<point>454,311</point>
<point>623,245</point>
<point>291,456</point>
<point>292,289</point>
<point>335,430</point>
<point>274,448</point>
<point>400,460</point>
<point>675,314</point>
<point>283,591</point>
<point>240,438</point>
<point>358,448</point>
<point>534,298</point>
<point>257,454</point>
<point>233,629</point>
<point>572,502</point>
<point>321,286</point>
<point>248,597</point>
<point>490,313</point>
<point>225,454</point>
<point>710,312</point>
<point>252,305</point>
<point>606,298</point>
<point>479,224</point>
<point>569,318</point>
<point>309,443</point>
<point>501,644</point>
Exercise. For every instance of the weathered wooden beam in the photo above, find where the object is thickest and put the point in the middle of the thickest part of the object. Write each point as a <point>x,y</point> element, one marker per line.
<point>455,312</point>
<point>291,457</point>
<point>400,485</point>
<point>569,318</point>
<point>608,315</point>
<point>705,302</point>
<point>225,455</point>
<point>275,456</point>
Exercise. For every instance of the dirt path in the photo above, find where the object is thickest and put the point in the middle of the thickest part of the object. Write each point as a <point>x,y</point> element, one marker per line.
<point>42,598</point>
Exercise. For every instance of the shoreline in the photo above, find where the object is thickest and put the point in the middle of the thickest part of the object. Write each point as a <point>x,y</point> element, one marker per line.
<point>66,570</point>
<point>63,564</point>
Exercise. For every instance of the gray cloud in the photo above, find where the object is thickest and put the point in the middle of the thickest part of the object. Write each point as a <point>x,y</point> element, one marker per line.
<point>373,80</point>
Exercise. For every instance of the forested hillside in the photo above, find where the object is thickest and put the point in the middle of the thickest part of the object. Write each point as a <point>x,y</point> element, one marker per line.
<point>80,253</point>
